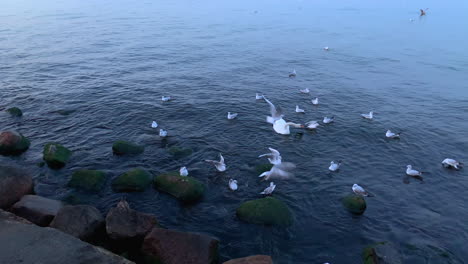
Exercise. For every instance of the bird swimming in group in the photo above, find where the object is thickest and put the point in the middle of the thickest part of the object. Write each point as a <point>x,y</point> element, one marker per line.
<point>312,124</point>
<point>411,172</point>
<point>274,157</point>
<point>451,163</point>
<point>183,171</point>
<point>293,74</point>
<point>166,98</point>
<point>299,110</point>
<point>258,96</point>
<point>279,124</point>
<point>231,115</point>
<point>220,165</point>
<point>233,185</point>
<point>390,134</point>
<point>269,190</point>
<point>334,166</point>
<point>315,101</point>
<point>368,116</point>
<point>305,91</point>
<point>279,171</point>
<point>359,190</point>
<point>162,133</point>
<point>328,120</point>
<point>154,124</point>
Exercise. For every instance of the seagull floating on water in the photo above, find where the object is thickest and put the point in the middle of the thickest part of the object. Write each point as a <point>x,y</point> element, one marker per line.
<point>233,185</point>
<point>328,120</point>
<point>220,165</point>
<point>154,124</point>
<point>326,48</point>
<point>359,190</point>
<point>312,124</point>
<point>411,172</point>
<point>299,110</point>
<point>315,101</point>
<point>305,91</point>
<point>183,171</point>
<point>269,190</point>
<point>231,115</point>
<point>390,134</point>
<point>279,124</point>
<point>166,98</point>
<point>368,116</point>
<point>258,96</point>
<point>451,163</point>
<point>274,157</point>
<point>293,74</point>
<point>334,166</point>
<point>162,133</point>
<point>279,171</point>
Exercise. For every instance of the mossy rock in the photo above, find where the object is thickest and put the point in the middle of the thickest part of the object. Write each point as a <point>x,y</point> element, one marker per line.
<point>135,180</point>
<point>265,211</point>
<point>180,152</point>
<point>56,155</point>
<point>355,204</point>
<point>381,253</point>
<point>89,180</point>
<point>184,188</point>
<point>65,112</point>
<point>126,148</point>
<point>13,143</point>
<point>79,198</point>
<point>15,111</point>
<point>261,168</point>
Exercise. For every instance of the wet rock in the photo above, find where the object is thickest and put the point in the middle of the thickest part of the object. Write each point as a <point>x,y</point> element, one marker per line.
<point>13,143</point>
<point>259,169</point>
<point>65,112</point>
<point>89,180</point>
<point>56,155</point>
<point>381,253</point>
<point>7,216</point>
<point>265,211</point>
<point>127,148</point>
<point>355,204</point>
<point>15,111</point>
<point>81,221</point>
<point>175,247</point>
<point>135,180</point>
<point>257,259</point>
<point>77,198</point>
<point>14,183</point>
<point>184,188</point>
<point>124,223</point>
<point>39,210</point>
<point>180,152</point>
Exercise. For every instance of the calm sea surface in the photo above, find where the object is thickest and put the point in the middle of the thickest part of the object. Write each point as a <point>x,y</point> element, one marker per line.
<point>111,61</point>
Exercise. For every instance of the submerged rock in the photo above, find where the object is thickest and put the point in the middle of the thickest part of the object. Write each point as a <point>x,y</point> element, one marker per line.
<point>126,148</point>
<point>257,259</point>
<point>39,210</point>
<point>81,221</point>
<point>180,152</point>
<point>135,180</point>
<point>381,253</point>
<point>175,247</point>
<point>13,143</point>
<point>14,183</point>
<point>15,111</point>
<point>265,211</point>
<point>355,204</point>
<point>184,188</point>
<point>89,180</point>
<point>56,155</point>
<point>259,169</point>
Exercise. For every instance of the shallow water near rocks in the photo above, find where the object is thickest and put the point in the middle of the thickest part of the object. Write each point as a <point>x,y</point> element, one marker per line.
<point>88,73</point>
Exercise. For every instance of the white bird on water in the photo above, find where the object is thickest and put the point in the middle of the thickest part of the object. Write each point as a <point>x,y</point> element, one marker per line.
<point>368,116</point>
<point>293,74</point>
<point>220,165</point>
<point>315,101</point>
<point>279,124</point>
<point>279,171</point>
<point>233,185</point>
<point>258,96</point>
<point>231,116</point>
<point>162,133</point>
<point>359,190</point>
<point>154,124</point>
<point>269,190</point>
<point>274,157</point>
<point>183,171</point>
<point>390,134</point>
<point>451,163</point>
<point>334,166</point>
<point>299,110</point>
<point>328,120</point>
<point>305,91</point>
<point>411,172</point>
<point>326,48</point>
<point>166,98</point>
<point>312,124</point>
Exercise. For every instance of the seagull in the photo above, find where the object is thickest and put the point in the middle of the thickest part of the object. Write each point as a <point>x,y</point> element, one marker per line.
<point>220,165</point>
<point>368,116</point>
<point>411,20</point>
<point>166,98</point>
<point>274,156</point>
<point>334,166</point>
<point>233,185</point>
<point>359,190</point>
<point>183,171</point>
<point>279,171</point>
<point>276,113</point>
<point>279,124</point>
<point>269,190</point>
<point>411,172</point>
<point>231,115</point>
<point>390,134</point>
<point>312,124</point>
<point>328,120</point>
<point>293,74</point>
<point>299,110</point>
<point>258,96</point>
<point>326,48</point>
<point>154,124</point>
<point>305,91</point>
<point>315,101</point>
<point>423,13</point>
<point>451,163</point>
<point>162,133</point>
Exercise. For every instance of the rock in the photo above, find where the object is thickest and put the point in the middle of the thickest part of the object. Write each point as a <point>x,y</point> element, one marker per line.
<point>56,155</point>
<point>180,152</point>
<point>261,168</point>
<point>124,223</point>
<point>257,259</point>
<point>126,148</point>
<point>355,204</point>
<point>184,188</point>
<point>265,211</point>
<point>175,247</point>
<point>81,221</point>
<point>15,111</point>
<point>65,112</point>
<point>7,216</point>
<point>89,180</point>
<point>26,243</point>
<point>135,180</point>
<point>13,143</point>
<point>14,183</point>
<point>381,253</point>
<point>39,210</point>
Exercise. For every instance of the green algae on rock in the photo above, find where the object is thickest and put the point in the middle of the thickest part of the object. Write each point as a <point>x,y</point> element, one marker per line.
<point>355,204</point>
<point>135,180</point>
<point>15,111</point>
<point>122,147</point>
<point>180,152</point>
<point>56,155</point>
<point>261,168</point>
<point>89,180</point>
<point>184,188</point>
<point>381,253</point>
<point>13,143</point>
<point>265,211</point>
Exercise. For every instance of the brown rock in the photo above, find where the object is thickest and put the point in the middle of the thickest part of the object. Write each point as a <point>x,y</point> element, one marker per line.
<point>81,221</point>
<point>257,259</point>
<point>14,183</point>
<point>13,143</point>
<point>39,210</point>
<point>175,247</point>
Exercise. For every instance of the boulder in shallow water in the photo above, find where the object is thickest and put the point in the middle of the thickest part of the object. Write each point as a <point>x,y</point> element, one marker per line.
<point>14,183</point>
<point>265,211</point>
<point>126,148</point>
<point>180,152</point>
<point>135,180</point>
<point>15,111</point>
<point>89,180</point>
<point>175,247</point>
<point>261,168</point>
<point>13,143</point>
<point>257,259</point>
<point>184,188</point>
<point>381,253</point>
<point>81,221</point>
<point>355,204</point>
<point>56,155</point>
<point>39,210</point>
